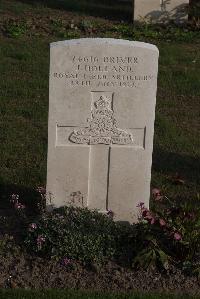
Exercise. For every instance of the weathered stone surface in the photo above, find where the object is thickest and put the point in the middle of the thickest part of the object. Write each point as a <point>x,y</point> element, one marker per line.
<point>101,123</point>
<point>161,11</point>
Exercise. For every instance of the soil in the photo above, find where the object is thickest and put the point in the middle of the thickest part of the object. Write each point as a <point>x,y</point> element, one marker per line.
<point>52,22</point>
<point>24,271</point>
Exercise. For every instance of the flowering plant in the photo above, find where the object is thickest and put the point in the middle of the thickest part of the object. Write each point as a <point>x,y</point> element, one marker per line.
<point>16,203</point>
<point>74,233</point>
<point>170,231</point>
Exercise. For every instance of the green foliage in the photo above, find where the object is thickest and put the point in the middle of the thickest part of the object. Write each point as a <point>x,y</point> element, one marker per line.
<point>153,245</point>
<point>73,233</point>
<point>86,25</point>
<point>151,257</point>
<point>155,32</point>
<point>194,13</point>
<point>7,245</point>
<point>90,27</point>
<point>56,25</point>
<point>170,232</point>
<point>124,29</point>
<point>67,31</point>
<point>183,216</point>
<point>15,29</point>
<point>70,34</point>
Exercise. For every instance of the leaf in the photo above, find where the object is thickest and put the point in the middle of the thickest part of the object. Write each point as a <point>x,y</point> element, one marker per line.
<point>164,258</point>
<point>145,258</point>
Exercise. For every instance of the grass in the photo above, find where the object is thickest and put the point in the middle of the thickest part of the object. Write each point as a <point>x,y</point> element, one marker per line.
<point>111,9</point>
<point>24,111</point>
<point>24,95</point>
<point>176,144</point>
<point>66,294</point>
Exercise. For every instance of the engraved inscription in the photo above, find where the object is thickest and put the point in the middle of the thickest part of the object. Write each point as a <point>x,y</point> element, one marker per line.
<point>105,71</point>
<point>102,127</point>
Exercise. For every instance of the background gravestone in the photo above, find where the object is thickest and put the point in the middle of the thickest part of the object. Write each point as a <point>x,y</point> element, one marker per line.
<point>159,11</point>
<point>101,122</point>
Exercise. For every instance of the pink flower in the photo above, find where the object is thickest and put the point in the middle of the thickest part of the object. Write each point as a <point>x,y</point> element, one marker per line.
<point>110,213</point>
<point>40,240</point>
<point>32,227</point>
<point>41,190</point>
<point>177,236</point>
<point>145,212</point>
<point>140,205</point>
<point>152,220</point>
<point>19,206</point>
<point>15,201</point>
<point>14,198</point>
<point>162,222</point>
<point>66,261</point>
<point>156,193</point>
<point>146,215</point>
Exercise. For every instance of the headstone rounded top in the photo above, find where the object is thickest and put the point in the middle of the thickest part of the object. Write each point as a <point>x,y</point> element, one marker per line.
<point>111,41</point>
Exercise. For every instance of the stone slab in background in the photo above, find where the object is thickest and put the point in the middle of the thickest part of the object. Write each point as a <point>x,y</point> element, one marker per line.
<point>101,123</point>
<point>161,11</point>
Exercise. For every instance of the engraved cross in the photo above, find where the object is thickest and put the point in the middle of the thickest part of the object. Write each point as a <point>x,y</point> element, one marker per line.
<point>100,134</point>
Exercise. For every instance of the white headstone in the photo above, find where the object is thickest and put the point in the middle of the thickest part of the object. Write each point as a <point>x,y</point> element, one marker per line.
<point>101,124</point>
<point>161,11</point>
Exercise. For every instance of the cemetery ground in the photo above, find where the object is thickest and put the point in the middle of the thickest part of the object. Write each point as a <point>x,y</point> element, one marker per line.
<point>162,252</point>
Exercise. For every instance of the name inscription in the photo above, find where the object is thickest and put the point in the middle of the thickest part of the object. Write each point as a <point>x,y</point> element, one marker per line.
<point>93,71</point>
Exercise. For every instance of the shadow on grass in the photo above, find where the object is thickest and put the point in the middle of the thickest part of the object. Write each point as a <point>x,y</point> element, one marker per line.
<point>27,196</point>
<point>163,162</point>
<point>110,9</point>
<point>13,221</point>
<point>171,163</point>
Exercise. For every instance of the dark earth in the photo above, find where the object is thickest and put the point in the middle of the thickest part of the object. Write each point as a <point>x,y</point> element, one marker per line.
<point>24,271</point>
<point>19,269</point>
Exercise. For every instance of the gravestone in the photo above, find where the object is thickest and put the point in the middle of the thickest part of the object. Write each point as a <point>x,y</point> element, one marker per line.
<point>101,123</point>
<point>161,11</point>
